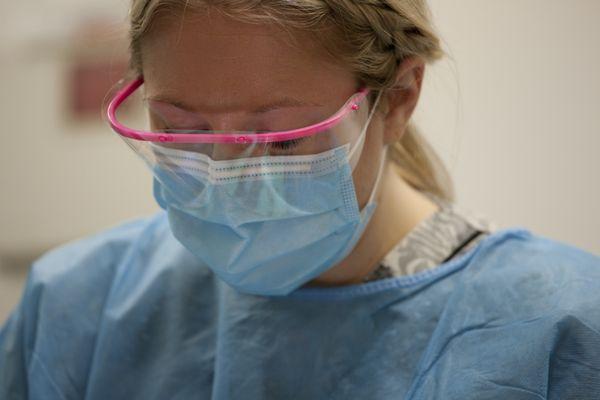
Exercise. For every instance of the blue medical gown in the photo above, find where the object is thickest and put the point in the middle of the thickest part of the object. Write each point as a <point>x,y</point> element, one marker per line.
<point>130,314</point>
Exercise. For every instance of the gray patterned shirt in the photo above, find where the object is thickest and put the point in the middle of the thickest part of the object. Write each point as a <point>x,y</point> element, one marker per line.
<point>448,233</point>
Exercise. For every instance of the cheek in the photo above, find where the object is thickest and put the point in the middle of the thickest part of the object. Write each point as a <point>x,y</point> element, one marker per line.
<point>365,173</point>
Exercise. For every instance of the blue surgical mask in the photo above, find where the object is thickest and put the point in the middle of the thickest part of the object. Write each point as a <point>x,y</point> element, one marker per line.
<point>267,233</point>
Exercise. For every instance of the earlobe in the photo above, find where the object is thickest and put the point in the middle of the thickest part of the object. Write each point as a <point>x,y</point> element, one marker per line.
<point>402,98</point>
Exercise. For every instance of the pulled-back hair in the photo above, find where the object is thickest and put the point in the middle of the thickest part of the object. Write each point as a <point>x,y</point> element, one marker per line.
<point>370,37</point>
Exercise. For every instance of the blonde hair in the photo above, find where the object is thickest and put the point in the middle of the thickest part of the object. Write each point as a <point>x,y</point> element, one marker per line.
<point>371,37</point>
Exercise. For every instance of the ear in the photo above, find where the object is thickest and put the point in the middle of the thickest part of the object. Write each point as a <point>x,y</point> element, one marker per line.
<point>403,97</point>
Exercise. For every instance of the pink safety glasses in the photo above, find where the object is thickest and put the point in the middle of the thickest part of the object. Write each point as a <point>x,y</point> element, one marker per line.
<point>349,111</point>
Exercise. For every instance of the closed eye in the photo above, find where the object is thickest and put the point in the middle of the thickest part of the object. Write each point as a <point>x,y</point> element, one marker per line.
<point>286,144</point>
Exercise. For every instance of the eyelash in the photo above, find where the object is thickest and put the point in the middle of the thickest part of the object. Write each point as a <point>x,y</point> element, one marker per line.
<point>285,145</point>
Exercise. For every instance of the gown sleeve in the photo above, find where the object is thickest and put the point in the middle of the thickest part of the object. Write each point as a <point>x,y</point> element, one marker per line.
<point>13,381</point>
<point>48,341</point>
<point>17,337</point>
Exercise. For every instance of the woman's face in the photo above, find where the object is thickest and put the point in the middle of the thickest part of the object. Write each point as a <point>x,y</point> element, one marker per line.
<point>228,75</point>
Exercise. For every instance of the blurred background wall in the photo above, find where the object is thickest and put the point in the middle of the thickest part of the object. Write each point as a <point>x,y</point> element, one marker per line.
<point>514,112</point>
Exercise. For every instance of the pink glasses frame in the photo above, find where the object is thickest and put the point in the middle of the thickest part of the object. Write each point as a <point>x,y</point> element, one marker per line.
<point>353,104</point>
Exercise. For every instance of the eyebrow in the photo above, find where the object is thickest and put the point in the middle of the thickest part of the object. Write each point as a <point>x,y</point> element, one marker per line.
<point>286,102</point>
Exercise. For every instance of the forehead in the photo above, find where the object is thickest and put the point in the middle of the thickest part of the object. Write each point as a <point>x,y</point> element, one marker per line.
<point>208,56</point>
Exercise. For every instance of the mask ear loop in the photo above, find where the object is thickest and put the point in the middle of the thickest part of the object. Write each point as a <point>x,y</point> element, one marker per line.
<point>379,174</point>
<point>356,151</point>
<point>354,159</point>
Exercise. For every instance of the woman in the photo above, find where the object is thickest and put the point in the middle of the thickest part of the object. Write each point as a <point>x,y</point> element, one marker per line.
<point>309,247</point>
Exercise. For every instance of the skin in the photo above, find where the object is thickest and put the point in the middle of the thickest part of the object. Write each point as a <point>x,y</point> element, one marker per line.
<point>240,67</point>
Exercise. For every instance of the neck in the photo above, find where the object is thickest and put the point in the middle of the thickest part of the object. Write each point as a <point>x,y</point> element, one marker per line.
<point>400,209</point>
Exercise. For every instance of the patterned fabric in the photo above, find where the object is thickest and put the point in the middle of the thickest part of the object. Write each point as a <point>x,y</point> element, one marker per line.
<point>448,233</point>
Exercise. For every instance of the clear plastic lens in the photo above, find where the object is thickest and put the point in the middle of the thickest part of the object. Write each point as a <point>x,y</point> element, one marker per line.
<point>285,153</point>
<point>192,163</point>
